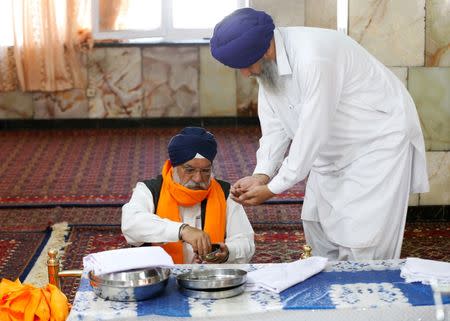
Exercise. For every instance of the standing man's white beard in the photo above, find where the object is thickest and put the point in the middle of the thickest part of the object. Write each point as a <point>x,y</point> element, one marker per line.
<point>268,77</point>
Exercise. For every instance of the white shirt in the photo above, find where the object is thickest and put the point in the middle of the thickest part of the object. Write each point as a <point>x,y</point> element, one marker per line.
<point>349,122</point>
<point>337,104</point>
<point>140,225</point>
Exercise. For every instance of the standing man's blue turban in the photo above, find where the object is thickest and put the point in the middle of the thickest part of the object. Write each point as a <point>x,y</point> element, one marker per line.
<point>242,38</point>
<point>190,142</point>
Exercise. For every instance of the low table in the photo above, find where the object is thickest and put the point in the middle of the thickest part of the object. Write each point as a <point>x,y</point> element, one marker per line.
<point>349,291</point>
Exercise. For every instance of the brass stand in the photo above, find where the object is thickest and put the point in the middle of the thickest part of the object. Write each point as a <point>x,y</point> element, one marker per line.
<point>306,252</point>
<point>54,272</point>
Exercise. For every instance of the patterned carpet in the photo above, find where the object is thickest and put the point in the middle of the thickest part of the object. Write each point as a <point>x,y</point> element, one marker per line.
<point>101,166</point>
<point>18,252</point>
<point>283,215</point>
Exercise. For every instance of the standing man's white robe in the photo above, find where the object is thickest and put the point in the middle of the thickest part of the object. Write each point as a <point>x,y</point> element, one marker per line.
<point>352,125</point>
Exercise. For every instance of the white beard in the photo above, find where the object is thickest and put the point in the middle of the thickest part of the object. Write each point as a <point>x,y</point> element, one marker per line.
<point>190,184</point>
<point>268,77</point>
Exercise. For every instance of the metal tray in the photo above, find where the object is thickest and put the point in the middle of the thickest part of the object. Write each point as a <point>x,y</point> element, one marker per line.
<point>212,279</point>
<point>132,285</point>
<point>213,294</point>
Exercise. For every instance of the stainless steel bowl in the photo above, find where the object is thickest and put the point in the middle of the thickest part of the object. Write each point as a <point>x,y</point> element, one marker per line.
<point>133,285</point>
<point>212,279</point>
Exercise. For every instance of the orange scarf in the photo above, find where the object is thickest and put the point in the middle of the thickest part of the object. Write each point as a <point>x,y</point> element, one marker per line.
<point>25,302</point>
<point>173,195</point>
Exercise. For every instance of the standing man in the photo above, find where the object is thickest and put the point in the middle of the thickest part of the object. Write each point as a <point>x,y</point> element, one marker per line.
<point>347,121</point>
<point>185,209</point>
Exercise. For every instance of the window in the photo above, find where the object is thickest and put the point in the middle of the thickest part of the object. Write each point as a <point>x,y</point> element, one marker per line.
<point>342,16</point>
<point>171,20</point>
<point>6,24</point>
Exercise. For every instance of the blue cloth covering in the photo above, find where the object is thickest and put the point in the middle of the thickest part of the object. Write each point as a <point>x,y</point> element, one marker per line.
<point>346,286</point>
<point>190,141</point>
<point>242,38</point>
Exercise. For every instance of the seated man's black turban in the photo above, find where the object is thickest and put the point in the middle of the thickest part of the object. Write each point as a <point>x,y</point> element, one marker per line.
<point>190,142</point>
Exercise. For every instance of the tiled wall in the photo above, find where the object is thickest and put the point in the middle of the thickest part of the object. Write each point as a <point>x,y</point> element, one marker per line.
<point>412,37</point>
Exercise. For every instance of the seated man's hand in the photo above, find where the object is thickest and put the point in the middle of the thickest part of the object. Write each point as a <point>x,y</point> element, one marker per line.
<point>246,183</point>
<point>198,239</point>
<point>219,257</point>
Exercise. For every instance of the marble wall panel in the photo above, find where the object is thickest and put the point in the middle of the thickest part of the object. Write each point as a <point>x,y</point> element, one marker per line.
<point>393,31</point>
<point>247,95</point>
<point>115,82</point>
<point>217,86</point>
<point>413,200</point>
<point>438,164</point>
<point>16,105</point>
<point>65,104</point>
<point>437,33</point>
<point>171,81</point>
<point>429,88</point>
<point>401,73</point>
<point>321,13</point>
<point>289,13</point>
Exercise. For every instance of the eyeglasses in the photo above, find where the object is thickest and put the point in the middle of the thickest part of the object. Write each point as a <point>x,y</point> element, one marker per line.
<point>188,170</point>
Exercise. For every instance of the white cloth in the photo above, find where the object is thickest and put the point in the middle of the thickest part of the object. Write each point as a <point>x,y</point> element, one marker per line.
<point>141,225</point>
<point>279,277</point>
<point>377,233</point>
<point>349,121</point>
<point>425,271</point>
<point>127,259</point>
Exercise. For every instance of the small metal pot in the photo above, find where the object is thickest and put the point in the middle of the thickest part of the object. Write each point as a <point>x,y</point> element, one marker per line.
<point>133,285</point>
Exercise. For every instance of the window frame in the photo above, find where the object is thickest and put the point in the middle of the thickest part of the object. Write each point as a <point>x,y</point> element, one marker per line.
<point>165,33</point>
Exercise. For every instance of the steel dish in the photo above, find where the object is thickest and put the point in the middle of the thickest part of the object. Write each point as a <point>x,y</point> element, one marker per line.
<point>213,294</point>
<point>133,285</point>
<point>212,279</point>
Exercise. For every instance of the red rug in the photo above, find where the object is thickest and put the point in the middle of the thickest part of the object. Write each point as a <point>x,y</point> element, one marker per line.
<point>18,252</point>
<point>279,216</point>
<point>101,166</point>
<point>427,240</point>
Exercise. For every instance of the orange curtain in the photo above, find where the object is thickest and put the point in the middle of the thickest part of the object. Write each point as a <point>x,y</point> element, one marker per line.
<point>109,10</point>
<point>48,39</point>
<point>8,73</point>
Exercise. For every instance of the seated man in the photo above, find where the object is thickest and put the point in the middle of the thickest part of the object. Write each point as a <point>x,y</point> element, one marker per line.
<point>187,209</point>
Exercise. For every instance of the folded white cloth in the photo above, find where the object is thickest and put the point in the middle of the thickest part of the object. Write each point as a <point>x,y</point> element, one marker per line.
<point>279,277</point>
<point>127,259</point>
<point>425,271</point>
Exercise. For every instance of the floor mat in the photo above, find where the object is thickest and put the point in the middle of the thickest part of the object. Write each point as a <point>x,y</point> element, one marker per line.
<point>23,219</point>
<point>19,251</point>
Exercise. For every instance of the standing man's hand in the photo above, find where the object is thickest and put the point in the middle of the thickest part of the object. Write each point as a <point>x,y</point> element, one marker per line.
<point>255,196</point>
<point>245,184</point>
<point>198,239</point>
